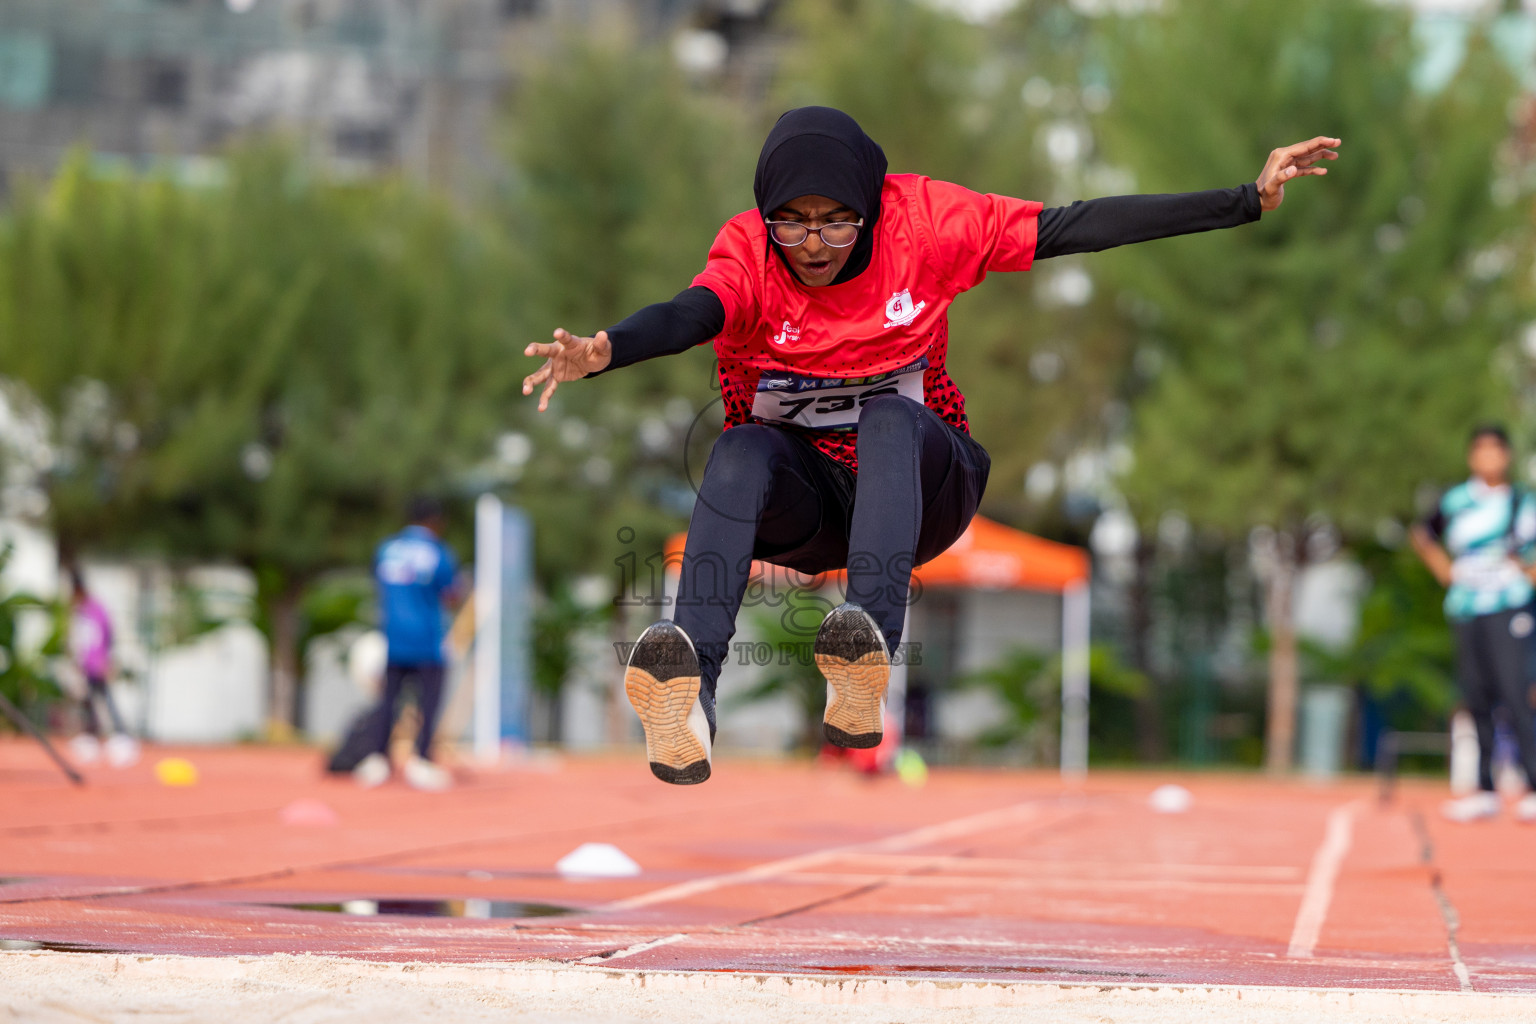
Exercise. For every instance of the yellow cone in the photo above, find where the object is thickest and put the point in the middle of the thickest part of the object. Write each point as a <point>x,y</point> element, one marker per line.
<point>176,771</point>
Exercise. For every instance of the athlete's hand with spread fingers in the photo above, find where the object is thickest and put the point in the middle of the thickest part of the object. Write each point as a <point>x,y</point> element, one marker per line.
<point>1290,163</point>
<point>569,357</point>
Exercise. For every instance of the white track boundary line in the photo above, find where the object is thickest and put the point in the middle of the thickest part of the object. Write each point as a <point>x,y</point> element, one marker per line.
<point>1014,815</point>
<point>639,947</point>
<point>1452,928</point>
<point>1318,895</point>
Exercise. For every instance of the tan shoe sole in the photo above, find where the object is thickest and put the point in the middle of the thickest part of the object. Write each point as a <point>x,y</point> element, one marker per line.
<point>662,683</point>
<point>850,651</point>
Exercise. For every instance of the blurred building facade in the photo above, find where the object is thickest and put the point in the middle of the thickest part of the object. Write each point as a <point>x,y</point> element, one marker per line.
<point>362,85</point>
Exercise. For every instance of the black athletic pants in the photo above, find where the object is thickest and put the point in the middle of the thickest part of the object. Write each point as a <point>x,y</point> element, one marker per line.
<point>769,494</point>
<point>1492,657</point>
<point>96,689</point>
<point>429,697</point>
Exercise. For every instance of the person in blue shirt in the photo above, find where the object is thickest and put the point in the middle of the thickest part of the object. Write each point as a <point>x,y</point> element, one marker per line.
<point>1479,544</point>
<point>415,573</point>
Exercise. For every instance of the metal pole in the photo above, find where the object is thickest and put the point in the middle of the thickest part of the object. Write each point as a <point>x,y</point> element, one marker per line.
<point>488,596</point>
<point>1074,680</point>
<point>23,723</point>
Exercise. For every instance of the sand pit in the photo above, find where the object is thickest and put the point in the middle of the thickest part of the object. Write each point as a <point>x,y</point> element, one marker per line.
<point>48,987</point>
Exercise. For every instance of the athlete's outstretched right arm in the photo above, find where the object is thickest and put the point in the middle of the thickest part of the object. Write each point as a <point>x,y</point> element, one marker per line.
<point>691,318</point>
<point>570,357</point>
<point>694,316</point>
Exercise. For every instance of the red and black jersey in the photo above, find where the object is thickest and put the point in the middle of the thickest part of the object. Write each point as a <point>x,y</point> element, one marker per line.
<point>933,241</point>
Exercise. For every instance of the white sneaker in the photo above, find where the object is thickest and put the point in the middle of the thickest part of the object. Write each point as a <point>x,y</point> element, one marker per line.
<point>662,682</point>
<point>372,771</point>
<point>1525,810</point>
<point>1476,807</point>
<point>850,651</point>
<point>85,747</point>
<point>122,750</point>
<point>423,774</point>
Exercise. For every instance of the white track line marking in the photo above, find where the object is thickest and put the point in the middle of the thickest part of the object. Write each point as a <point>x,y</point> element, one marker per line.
<point>998,882</point>
<point>1452,929</point>
<point>1014,815</point>
<point>897,863</point>
<point>1318,894</point>
<point>639,947</point>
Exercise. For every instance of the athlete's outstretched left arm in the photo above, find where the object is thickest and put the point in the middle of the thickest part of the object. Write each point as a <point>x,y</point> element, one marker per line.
<point>1099,224</point>
<point>1292,162</point>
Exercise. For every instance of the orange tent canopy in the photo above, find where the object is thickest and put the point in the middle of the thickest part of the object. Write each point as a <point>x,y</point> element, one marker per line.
<point>988,556</point>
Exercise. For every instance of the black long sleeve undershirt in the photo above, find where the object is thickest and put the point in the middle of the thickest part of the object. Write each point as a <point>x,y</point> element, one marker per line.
<point>695,315</point>
<point>1098,224</point>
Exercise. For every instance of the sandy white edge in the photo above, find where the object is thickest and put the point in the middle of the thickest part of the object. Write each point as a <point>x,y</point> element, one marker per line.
<point>848,990</point>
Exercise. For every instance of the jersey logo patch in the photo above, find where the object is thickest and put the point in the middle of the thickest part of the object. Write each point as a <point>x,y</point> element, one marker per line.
<point>788,334</point>
<point>899,310</point>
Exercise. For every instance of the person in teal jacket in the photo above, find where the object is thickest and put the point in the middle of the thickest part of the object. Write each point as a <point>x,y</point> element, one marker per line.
<point>1479,543</point>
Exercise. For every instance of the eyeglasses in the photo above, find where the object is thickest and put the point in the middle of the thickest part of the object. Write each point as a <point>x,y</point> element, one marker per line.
<point>840,234</point>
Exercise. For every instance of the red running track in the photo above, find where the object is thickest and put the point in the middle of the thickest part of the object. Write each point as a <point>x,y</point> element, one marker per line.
<point>781,867</point>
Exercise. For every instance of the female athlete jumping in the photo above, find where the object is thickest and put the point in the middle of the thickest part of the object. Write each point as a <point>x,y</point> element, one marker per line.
<point>846,444</point>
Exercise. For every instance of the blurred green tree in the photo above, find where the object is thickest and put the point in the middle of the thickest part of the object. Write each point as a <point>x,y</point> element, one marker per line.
<point>1320,367</point>
<point>262,370</point>
<point>793,672</point>
<point>1008,106</point>
<point>621,174</point>
<point>1402,651</point>
<point>558,620</point>
<point>1000,107</point>
<point>25,679</point>
<point>1028,685</point>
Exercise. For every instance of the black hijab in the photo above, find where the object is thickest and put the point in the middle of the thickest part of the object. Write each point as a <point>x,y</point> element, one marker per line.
<point>819,151</point>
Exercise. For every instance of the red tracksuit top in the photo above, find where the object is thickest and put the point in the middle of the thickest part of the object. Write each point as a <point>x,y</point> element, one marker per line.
<point>933,241</point>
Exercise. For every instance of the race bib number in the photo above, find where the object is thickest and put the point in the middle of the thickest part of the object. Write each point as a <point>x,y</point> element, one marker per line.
<point>830,403</point>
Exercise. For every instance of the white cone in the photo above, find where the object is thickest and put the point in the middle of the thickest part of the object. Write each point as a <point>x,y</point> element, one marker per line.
<point>597,860</point>
<point>1171,799</point>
